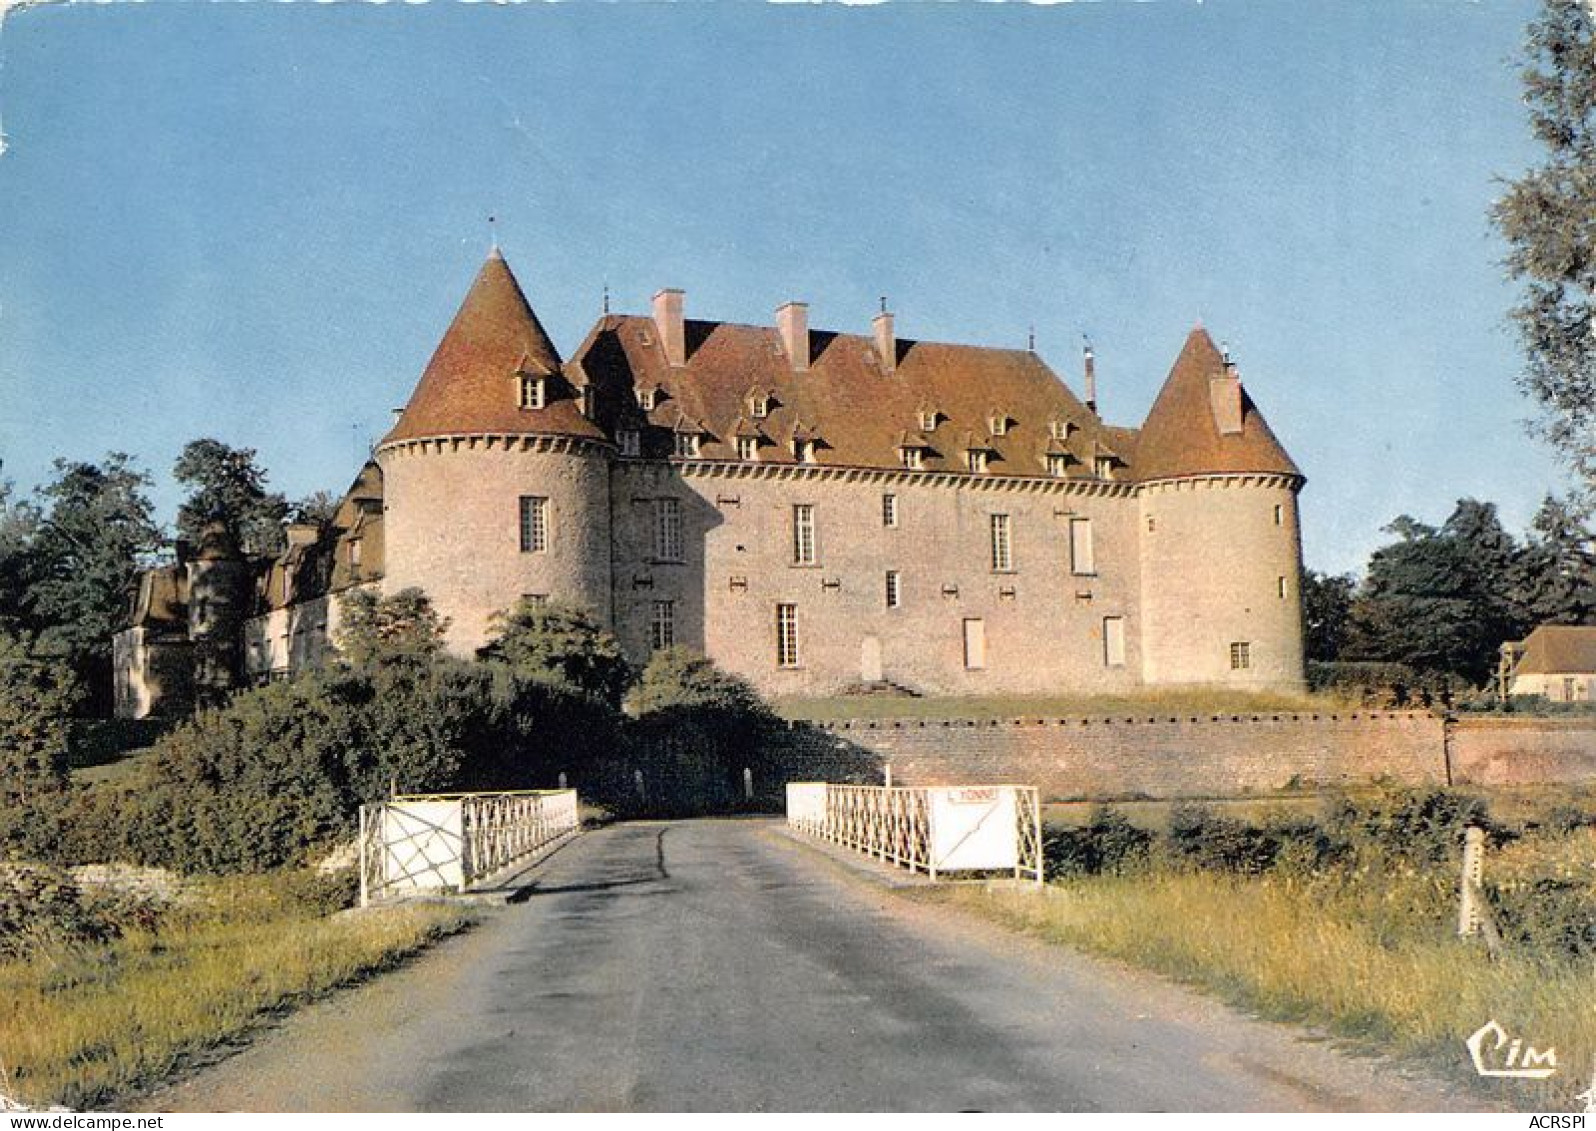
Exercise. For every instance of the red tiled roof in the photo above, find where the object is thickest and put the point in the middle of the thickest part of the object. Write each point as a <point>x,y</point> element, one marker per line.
<point>471,385</point>
<point>858,410</point>
<point>1558,649</point>
<point>1180,436</point>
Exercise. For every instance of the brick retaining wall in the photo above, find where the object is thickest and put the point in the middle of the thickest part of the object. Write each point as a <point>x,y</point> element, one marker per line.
<point>1514,751</point>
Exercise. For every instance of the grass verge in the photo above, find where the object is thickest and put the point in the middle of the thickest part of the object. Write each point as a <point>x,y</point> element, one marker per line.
<point>1331,955</point>
<point>84,1025</point>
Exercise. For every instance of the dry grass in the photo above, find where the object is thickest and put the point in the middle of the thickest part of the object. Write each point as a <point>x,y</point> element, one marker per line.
<point>1344,957</point>
<point>1145,705</point>
<point>83,1026</point>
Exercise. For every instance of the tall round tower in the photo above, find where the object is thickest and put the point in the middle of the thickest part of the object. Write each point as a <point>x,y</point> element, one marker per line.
<point>496,480</point>
<point>1221,550</point>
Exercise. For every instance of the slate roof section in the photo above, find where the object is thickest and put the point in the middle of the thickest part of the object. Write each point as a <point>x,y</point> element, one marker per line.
<point>471,385</point>
<point>1558,649</point>
<point>1180,436</point>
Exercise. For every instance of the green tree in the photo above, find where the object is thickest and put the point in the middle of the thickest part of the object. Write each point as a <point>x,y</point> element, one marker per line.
<point>1557,570</point>
<point>1439,599</point>
<point>678,678</point>
<point>226,485</point>
<point>19,521</point>
<point>96,534</point>
<point>1548,217</point>
<point>37,696</point>
<point>401,629</point>
<point>562,641</point>
<point>1326,607</point>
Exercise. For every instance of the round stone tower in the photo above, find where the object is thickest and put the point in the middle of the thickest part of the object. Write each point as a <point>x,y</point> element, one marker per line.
<point>496,480</point>
<point>220,584</point>
<point>1221,550</point>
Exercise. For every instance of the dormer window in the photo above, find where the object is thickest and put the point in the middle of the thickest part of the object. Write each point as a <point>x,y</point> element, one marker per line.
<point>687,445</point>
<point>1058,464</point>
<point>747,448</point>
<point>928,419</point>
<point>977,458</point>
<point>630,441</point>
<point>1059,429</point>
<point>759,405</point>
<point>648,397</point>
<point>803,450</point>
<point>999,422</point>
<point>534,391</point>
<point>1104,467</point>
<point>913,458</point>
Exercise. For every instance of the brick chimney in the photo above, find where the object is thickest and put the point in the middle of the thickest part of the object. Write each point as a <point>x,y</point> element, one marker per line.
<point>886,340</point>
<point>672,329</point>
<point>792,320</point>
<point>1224,397</point>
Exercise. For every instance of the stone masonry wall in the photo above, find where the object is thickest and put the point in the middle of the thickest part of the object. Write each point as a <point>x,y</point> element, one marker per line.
<point>1157,757</point>
<point>1523,751</point>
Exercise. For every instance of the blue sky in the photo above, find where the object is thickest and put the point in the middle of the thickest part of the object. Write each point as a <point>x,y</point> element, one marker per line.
<point>253,221</point>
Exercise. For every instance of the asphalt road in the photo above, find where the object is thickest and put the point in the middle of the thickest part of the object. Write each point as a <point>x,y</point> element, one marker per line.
<point>721,965</point>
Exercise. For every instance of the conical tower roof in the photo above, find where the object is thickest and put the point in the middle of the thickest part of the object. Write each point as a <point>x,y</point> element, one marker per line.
<point>1181,436</point>
<point>472,383</point>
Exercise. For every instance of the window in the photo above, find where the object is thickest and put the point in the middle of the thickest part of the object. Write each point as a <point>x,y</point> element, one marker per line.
<point>914,458</point>
<point>687,445</point>
<point>1058,465</point>
<point>803,451</point>
<point>631,442</point>
<point>889,510</point>
<point>803,534</point>
<point>1059,429</point>
<point>1114,642</point>
<point>747,448</point>
<point>668,530</point>
<point>1105,467</point>
<point>1569,689</point>
<point>974,644</point>
<point>1280,515</point>
<point>662,625</point>
<point>1240,656</point>
<point>760,406</point>
<point>1000,423</point>
<point>787,636</point>
<point>1280,585</point>
<point>1082,559</point>
<point>977,460</point>
<point>589,401</point>
<point>928,419</point>
<point>531,391</point>
<point>534,524</point>
<point>647,399</point>
<point>894,590</point>
<point>1002,548</point>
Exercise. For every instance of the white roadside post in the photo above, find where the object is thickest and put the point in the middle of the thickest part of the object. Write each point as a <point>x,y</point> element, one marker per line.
<point>1468,916</point>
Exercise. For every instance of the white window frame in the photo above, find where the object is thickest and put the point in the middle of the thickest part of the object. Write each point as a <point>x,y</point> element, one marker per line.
<point>1114,642</point>
<point>1058,465</point>
<point>976,458</point>
<point>803,451</point>
<point>668,530</point>
<point>533,392</point>
<point>748,448</point>
<point>787,643</point>
<point>914,459</point>
<point>534,524</point>
<point>894,589</point>
<point>687,445</point>
<point>1002,531</point>
<point>1083,554</point>
<point>662,625</point>
<point>805,548</point>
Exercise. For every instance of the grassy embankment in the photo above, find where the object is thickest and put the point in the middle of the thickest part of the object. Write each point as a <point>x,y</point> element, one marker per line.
<point>86,1023</point>
<point>1363,948</point>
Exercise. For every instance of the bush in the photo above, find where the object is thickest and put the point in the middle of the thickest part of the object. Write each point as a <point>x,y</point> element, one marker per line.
<point>1107,843</point>
<point>41,909</point>
<point>36,701</point>
<point>1204,839</point>
<point>562,642</point>
<point>1416,826</point>
<point>1379,684</point>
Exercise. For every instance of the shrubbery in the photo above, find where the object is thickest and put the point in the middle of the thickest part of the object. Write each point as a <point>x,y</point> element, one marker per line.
<point>1376,684</point>
<point>1107,843</point>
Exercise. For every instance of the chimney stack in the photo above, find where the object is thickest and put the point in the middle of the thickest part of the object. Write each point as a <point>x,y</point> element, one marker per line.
<point>886,339</point>
<point>672,329</point>
<point>1089,369</point>
<point>792,320</point>
<point>1224,398</point>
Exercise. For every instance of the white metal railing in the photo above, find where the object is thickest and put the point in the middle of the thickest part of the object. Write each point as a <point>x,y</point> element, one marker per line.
<point>443,841</point>
<point>931,829</point>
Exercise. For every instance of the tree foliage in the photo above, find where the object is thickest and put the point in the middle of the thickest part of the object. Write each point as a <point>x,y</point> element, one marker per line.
<point>563,642</point>
<point>226,485</point>
<point>1548,217</point>
<point>37,696</point>
<point>1326,609</point>
<point>1557,568</point>
<point>95,535</point>
<point>402,629</point>
<point>19,522</point>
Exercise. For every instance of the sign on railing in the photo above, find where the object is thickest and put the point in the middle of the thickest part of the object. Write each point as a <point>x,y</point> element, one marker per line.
<point>448,842</point>
<point>931,829</point>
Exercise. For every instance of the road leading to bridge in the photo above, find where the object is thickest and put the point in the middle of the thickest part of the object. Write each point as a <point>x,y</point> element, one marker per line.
<point>719,965</point>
